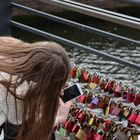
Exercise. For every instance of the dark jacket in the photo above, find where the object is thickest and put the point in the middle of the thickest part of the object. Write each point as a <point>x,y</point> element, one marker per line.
<point>11,131</point>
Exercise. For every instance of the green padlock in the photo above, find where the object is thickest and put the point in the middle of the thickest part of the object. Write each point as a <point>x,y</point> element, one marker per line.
<point>62,131</point>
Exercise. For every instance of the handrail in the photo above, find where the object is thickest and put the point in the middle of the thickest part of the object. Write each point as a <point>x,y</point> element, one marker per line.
<point>97,13</point>
<point>77,25</point>
<point>103,10</point>
<point>74,44</point>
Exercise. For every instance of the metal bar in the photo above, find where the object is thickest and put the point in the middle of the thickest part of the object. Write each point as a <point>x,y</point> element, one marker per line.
<point>102,10</point>
<point>78,25</point>
<point>5,15</point>
<point>95,13</point>
<point>75,44</point>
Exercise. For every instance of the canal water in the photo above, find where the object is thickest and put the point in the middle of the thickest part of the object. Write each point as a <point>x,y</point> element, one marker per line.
<point>91,61</point>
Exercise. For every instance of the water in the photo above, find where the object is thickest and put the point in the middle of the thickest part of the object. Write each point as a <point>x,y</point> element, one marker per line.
<point>105,67</point>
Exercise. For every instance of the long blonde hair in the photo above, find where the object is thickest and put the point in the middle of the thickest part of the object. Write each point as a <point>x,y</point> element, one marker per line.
<point>48,62</point>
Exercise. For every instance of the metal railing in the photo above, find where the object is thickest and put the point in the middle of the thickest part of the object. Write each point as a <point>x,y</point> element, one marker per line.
<point>98,13</point>
<point>130,20</point>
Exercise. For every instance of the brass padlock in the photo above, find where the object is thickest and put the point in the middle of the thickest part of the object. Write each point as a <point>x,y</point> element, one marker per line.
<point>81,135</point>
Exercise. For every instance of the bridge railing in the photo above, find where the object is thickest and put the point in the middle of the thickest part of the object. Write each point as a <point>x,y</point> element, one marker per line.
<point>106,15</point>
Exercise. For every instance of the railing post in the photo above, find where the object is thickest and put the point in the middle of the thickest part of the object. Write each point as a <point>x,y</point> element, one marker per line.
<point>5,15</point>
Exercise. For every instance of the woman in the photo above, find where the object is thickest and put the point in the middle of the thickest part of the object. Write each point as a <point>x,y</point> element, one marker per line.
<point>32,79</point>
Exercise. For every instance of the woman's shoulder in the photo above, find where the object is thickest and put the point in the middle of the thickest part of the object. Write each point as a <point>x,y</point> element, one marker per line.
<point>21,89</point>
<point>4,75</point>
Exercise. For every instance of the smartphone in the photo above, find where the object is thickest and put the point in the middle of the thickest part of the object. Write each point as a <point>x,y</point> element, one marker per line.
<point>71,92</point>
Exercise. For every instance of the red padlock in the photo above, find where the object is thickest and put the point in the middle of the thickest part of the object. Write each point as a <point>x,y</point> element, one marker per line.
<point>118,90</point>
<point>86,76</point>
<point>82,98</point>
<point>103,84</point>
<point>106,86</point>
<point>112,106</point>
<point>136,100</point>
<point>92,106</point>
<point>111,87</point>
<point>107,125</point>
<point>73,73</point>
<point>90,134</point>
<point>81,117</point>
<point>96,79</point>
<point>137,121</point>
<point>130,95</point>
<point>98,137</point>
<point>124,92</point>
<point>124,95</point>
<point>133,117</point>
<point>75,128</point>
<point>69,125</point>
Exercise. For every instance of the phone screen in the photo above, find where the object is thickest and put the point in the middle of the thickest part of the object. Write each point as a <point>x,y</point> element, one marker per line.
<point>70,93</point>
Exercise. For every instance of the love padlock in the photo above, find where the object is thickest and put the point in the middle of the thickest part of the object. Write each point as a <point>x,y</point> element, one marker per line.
<point>75,128</point>
<point>86,75</point>
<point>116,111</point>
<point>69,125</point>
<point>90,134</point>
<point>130,96</point>
<point>81,117</point>
<point>118,90</point>
<point>73,73</point>
<point>98,137</point>
<point>96,79</point>
<point>137,121</point>
<point>81,135</point>
<point>82,98</point>
<point>125,92</point>
<point>91,121</point>
<point>62,131</point>
<point>111,87</point>
<point>133,117</point>
<point>95,101</point>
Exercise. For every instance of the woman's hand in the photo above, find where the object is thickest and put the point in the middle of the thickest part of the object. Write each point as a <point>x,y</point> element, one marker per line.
<point>63,110</point>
